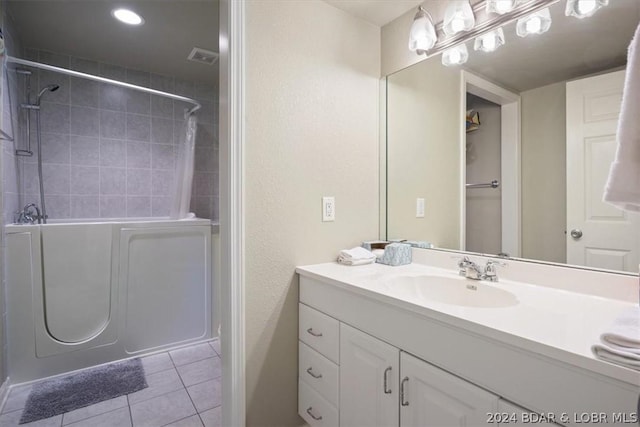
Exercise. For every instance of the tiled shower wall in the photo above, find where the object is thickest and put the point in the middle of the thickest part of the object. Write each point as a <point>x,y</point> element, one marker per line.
<point>111,152</point>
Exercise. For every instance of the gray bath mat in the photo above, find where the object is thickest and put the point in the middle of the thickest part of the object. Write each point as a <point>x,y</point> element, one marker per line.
<point>64,394</point>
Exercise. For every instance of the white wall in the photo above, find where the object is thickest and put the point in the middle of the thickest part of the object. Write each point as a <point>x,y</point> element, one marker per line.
<point>312,96</point>
<point>423,153</point>
<point>483,231</point>
<point>544,173</point>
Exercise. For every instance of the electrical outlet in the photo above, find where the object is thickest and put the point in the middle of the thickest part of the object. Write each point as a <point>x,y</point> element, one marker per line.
<point>419,208</point>
<point>328,209</point>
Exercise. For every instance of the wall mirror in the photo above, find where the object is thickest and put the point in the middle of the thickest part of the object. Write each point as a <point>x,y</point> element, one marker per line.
<point>526,179</point>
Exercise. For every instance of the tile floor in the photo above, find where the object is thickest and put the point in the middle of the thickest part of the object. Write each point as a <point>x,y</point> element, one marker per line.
<point>184,391</point>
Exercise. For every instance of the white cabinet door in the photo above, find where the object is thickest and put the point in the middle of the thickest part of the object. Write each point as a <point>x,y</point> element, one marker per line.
<point>432,397</point>
<point>604,236</point>
<point>368,380</point>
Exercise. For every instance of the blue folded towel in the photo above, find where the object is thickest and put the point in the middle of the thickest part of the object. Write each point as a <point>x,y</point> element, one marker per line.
<point>396,254</point>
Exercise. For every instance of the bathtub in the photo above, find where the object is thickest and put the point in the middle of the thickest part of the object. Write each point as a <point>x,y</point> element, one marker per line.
<point>83,293</point>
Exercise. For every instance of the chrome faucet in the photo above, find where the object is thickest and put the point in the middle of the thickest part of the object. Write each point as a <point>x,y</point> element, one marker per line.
<point>27,215</point>
<point>469,269</point>
<point>473,271</point>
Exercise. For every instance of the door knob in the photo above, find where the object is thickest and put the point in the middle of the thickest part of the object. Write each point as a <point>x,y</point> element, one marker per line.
<point>576,233</point>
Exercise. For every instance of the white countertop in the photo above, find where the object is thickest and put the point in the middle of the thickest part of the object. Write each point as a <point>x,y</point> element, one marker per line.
<point>556,323</point>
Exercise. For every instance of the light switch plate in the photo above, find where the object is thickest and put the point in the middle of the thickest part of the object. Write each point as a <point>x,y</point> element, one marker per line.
<point>328,209</point>
<point>419,208</point>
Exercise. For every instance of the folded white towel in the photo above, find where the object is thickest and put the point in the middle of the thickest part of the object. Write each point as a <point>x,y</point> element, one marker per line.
<point>624,333</point>
<point>621,341</point>
<point>623,185</point>
<point>356,256</point>
<point>623,358</point>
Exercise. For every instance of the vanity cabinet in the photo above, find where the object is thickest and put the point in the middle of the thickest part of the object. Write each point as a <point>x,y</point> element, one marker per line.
<point>378,385</point>
<point>383,386</point>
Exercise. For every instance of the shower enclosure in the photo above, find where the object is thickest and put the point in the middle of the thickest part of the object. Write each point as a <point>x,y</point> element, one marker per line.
<point>186,151</point>
<point>93,275</point>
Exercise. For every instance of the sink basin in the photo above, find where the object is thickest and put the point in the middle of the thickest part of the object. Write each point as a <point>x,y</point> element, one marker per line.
<point>450,290</point>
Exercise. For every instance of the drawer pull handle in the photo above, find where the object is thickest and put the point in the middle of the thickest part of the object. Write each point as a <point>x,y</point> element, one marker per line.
<point>386,390</point>
<point>315,334</point>
<point>310,372</point>
<point>402,401</point>
<point>317,418</point>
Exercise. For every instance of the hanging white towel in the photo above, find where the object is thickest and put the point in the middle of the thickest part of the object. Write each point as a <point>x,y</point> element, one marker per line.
<point>623,185</point>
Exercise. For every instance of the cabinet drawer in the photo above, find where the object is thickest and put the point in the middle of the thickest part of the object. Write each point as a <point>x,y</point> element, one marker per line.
<point>320,332</point>
<point>315,410</point>
<point>318,372</point>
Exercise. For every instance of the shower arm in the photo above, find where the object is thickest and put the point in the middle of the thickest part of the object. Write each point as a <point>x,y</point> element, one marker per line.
<point>196,104</point>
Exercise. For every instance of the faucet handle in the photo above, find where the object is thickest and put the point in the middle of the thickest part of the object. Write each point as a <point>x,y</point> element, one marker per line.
<point>463,261</point>
<point>490,269</point>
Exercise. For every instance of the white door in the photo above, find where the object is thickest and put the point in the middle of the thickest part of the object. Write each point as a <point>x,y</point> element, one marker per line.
<point>430,397</point>
<point>368,380</point>
<point>598,234</point>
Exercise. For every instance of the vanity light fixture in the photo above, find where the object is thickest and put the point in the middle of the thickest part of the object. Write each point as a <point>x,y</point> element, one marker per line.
<point>490,41</point>
<point>460,24</point>
<point>536,23</point>
<point>457,55</point>
<point>500,6</point>
<point>127,16</point>
<point>584,8</point>
<point>458,17</point>
<point>422,36</point>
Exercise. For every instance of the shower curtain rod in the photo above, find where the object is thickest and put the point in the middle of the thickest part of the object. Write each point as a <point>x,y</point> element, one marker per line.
<point>196,104</point>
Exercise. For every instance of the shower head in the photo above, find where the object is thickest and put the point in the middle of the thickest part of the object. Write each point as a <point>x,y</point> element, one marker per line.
<point>49,88</point>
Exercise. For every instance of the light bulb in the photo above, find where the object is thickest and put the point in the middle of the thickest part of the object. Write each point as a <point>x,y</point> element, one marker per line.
<point>457,55</point>
<point>490,44</point>
<point>458,16</point>
<point>457,25</point>
<point>423,34</point>
<point>490,41</point>
<point>500,6</point>
<point>537,23</point>
<point>533,25</point>
<point>503,6</point>
<point>586,6</point>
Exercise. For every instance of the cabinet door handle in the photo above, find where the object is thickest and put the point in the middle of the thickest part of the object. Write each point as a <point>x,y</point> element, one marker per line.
<point>310,372</point>
<point>402,401</point>
<point>315,334</point>
<point>315,417</point>
<point>386,390</point>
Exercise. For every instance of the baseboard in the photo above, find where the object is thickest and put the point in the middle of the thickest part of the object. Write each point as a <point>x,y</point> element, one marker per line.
<point>4,393</point>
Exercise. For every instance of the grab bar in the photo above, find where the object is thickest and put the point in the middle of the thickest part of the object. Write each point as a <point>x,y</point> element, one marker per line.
<point>492,184</point>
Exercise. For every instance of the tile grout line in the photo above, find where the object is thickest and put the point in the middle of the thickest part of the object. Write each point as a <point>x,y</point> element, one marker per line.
<point>185,387</point>
<point>183,384</point>
<point>130,413</point>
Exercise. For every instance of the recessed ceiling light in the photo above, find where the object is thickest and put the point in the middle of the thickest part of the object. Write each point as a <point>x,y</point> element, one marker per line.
<point>127,16</point>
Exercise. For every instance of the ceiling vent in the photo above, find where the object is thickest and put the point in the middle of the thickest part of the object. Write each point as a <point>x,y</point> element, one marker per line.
<point>203,56</point>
